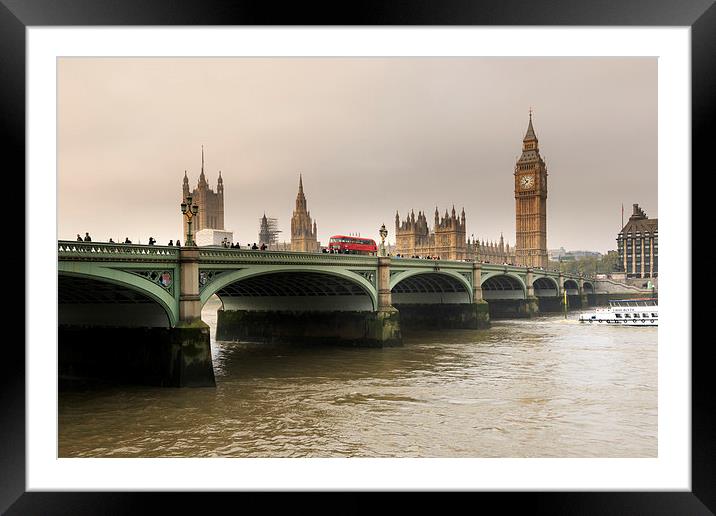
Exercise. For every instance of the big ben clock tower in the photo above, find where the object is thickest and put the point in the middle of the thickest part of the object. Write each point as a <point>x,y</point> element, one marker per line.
<point>531,203</point>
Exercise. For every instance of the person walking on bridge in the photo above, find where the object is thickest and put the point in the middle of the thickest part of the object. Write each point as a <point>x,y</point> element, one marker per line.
<point>79,238</point>
<point>87,237</point>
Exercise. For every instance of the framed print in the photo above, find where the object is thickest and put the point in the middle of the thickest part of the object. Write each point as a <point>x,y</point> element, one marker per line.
<point>415,249</point>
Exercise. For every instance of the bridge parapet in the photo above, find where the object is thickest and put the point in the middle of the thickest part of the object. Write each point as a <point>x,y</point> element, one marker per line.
<point>422,262</point>
<point>68,250</point>
<point>212,255</point>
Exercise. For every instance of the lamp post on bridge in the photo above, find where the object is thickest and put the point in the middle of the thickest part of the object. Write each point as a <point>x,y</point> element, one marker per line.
<point>189,210</point>
<point>383,233</point>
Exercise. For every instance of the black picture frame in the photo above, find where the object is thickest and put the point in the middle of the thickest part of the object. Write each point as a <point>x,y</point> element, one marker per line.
<point>17,15</point>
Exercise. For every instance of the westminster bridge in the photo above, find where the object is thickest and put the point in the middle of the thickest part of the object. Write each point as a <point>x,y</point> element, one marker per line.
<point>132,297</point>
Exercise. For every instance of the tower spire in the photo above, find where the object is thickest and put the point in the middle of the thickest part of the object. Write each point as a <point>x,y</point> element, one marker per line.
<point>202,177</point>
<point>530,134</point>
<point>185,186</point>
<point>300,197</point>
<point>303,228</point>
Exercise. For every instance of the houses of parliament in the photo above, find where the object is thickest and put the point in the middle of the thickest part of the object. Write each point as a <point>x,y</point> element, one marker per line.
<point>447,238</point>
<point>413,237</point>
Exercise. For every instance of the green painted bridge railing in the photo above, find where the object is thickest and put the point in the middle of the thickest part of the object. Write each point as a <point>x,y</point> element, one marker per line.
<point>68,250</point>
<point>102,251</point>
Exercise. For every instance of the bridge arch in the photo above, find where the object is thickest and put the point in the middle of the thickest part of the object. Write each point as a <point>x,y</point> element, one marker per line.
<point>503,286</point>
<point>545,286</point>
<point>572,287</point>
<point>430,287</point>
<point>293,287</point>
<point>588,287</point>
<point>103,296</point>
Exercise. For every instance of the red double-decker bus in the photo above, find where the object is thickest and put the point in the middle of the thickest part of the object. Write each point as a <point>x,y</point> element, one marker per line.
<point>352,245</point>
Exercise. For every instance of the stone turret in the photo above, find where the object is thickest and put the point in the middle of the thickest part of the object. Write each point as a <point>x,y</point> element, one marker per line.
<point>210,203</point>
<point>303,229</point>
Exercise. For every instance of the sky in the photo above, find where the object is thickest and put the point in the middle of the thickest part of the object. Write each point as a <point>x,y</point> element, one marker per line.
<point>369,135</point>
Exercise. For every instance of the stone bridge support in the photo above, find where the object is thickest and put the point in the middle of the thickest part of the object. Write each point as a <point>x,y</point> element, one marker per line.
<point>191,342</point>
<point>189,300</point>
<point>584,298</point>
<point>531,301</point>
<point>383,327</point>
<point>481,307</point>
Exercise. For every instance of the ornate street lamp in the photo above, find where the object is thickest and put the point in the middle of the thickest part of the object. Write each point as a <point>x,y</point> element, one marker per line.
<point>383,233</point>
<point>189,210</point>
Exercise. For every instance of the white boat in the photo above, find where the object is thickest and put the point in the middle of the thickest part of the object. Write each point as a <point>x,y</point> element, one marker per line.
<point>625,312</point>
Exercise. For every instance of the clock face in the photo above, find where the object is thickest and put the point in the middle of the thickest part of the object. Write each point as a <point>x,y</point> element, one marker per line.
<point>527,182</point>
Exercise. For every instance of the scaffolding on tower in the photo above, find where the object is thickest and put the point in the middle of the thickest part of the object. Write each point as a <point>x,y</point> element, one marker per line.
<point>268,231</point>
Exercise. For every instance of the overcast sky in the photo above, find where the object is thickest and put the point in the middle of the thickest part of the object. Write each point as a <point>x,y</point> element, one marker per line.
<point>370,135</point>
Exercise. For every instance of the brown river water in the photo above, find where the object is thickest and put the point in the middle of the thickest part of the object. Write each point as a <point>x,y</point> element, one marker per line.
<point>545,387</point>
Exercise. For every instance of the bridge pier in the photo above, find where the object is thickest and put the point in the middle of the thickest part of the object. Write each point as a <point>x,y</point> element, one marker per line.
<point>480,306</point>
<point>191,334</point>
<point>584,300</point>
<point>574,301</point>
<point>386,328</point>
<point>550,304</point>
<point>513,308</point>
<point>531,306</point>
<point>165,357</point>
<point>342,328</point>
<point>452,316</point>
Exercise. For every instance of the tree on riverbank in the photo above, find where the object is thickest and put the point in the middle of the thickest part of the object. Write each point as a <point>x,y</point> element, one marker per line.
<point>588,265</point>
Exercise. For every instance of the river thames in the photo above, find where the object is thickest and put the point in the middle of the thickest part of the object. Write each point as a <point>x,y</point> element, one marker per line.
<point>542,387</point>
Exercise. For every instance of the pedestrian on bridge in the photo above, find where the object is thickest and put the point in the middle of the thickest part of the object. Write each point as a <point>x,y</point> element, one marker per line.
<point>87,237</point>
<point>171,242</point>
<point>127,240</point>
<point>79,238</point>
<point>111,241</point>
<point>178,243</point>
<point>152,241</point>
